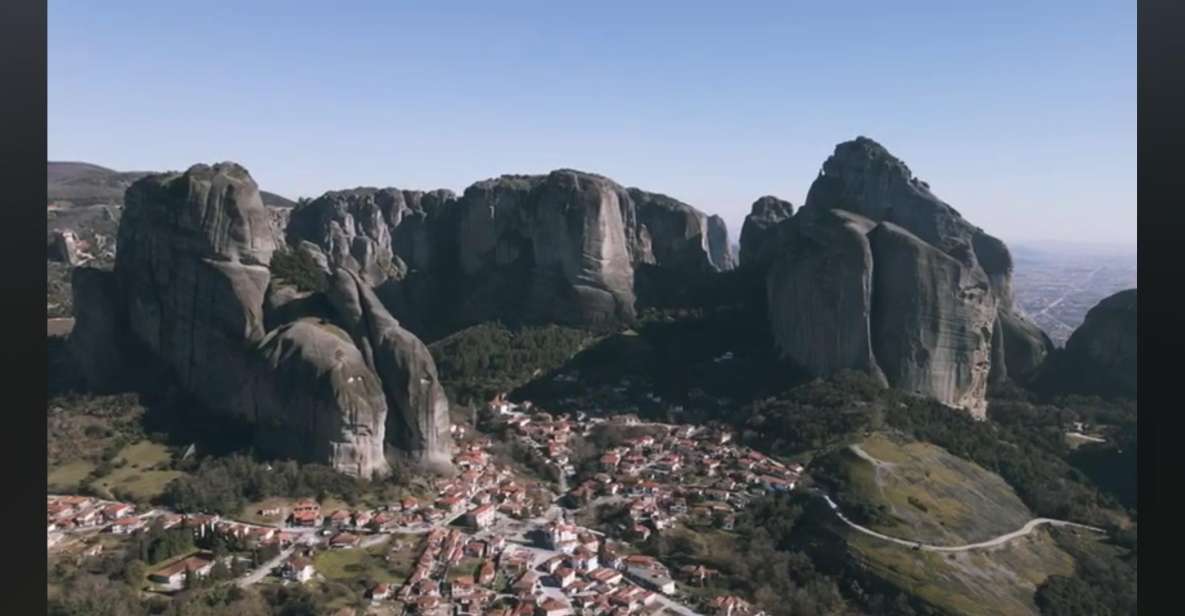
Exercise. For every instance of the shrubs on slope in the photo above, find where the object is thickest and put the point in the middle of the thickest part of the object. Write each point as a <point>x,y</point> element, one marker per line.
<point>479,362</point>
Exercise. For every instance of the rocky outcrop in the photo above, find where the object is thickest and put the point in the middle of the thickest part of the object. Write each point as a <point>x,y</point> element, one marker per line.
<point>940,306</point>
<point>720,250</point>
<point>95,341</point>
<point>932,320</point>
<point>350,228</point>
<point>676,235</point>
<point>192,287</point>
<point>759,236</point>
<point>822,288</point>
<point>1101,355</point>
<point>417,418</point>
<point>310,391</point>
<point>1022,347</point>
<point>560,248</point>
<point>192,265</point>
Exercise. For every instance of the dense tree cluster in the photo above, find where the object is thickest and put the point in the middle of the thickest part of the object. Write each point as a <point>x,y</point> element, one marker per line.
<point>298,268</point>
<point>813,416</point>
<point>225,485</point>
<point>477,363</point>
<point>783,556</point>
<point>93,596</point>
<point>157,544</point>
<point>1103,584</point>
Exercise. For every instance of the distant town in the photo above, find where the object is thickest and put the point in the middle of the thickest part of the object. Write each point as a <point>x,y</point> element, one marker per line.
<point>484,544</point>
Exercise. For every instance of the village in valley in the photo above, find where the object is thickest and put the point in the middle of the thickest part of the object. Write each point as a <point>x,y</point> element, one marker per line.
<point>489,539</point>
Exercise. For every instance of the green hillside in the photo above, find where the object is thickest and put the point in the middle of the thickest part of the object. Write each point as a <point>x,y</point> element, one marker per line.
<point>918,491</point>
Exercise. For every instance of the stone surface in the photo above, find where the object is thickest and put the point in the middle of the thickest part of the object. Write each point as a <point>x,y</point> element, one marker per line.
<point>942,321</point>
<point>313,396</point>
<point>1103,350</point>
<point>193,251</point>
<point>759,236</point>
<point>194,287</point>
<point>95,342</point>
<point>822,289</point>
<point>1024,345</point>
<point>720,250</point>
<point>418,411</point>
<point>557,248</point>
<point>351,230</point>
<point>932,320</point>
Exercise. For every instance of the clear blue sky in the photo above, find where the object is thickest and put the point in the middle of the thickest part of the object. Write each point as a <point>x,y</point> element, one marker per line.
<point>1021,115</point>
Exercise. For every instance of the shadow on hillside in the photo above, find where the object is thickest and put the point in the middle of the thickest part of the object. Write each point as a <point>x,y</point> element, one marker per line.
<point>179,419</point>
<point>708,360</point>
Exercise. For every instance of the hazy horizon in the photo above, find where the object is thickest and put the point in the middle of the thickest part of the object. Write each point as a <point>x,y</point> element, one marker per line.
<point>1023,119</point>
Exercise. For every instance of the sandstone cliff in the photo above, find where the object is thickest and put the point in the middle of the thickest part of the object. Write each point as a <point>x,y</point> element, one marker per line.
<point>896,266</point>
<point>822,289</point>
<point>759,235</point>
<point>1101,355</point>
<point>417,418</point>
<point>192,287</point>
<point>558,248</point>
<point>312,393</point>
<point>351,230</point>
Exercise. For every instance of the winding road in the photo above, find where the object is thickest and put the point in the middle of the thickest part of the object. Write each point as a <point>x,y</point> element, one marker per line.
<point>1022,531</point>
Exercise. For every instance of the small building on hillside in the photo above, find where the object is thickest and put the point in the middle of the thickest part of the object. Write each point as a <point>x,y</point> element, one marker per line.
<point>482,516</point>
<point>173,575</point>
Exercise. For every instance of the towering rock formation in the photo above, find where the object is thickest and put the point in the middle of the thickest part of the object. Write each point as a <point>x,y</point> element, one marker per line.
<point>759,235</point>
<point>873,240</point>
<point>418,419</point>
<point>1101,355</point>
<point>313,395</point>
<point>193,289</point>
<point>192,265</point>
<point>932,320</point>
<point>95,344</point>
<point>563,248</point>
<point>720,250</point>
<point>822,289</point>
<point>349,227</point>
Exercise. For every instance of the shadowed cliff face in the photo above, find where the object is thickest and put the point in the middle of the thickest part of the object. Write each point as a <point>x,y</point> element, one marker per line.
<point>417,418</point>
<point>760,236</point>
<point>874,256</point>
<point>189,287</point>
<point>1101,355</point>
<point>558,248</point>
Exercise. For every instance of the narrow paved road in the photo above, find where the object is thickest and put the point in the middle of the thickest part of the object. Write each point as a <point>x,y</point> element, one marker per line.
<point>261,572</point>
<point>1024,530</point>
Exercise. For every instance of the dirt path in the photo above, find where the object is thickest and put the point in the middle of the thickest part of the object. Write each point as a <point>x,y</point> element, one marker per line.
<point>1022,531</point>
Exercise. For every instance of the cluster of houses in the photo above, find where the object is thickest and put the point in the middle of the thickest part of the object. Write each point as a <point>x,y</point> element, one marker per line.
<point>482,489</point>
<point>671,471</point>
<point>81,512</point>
<point>683,471</point>
<point>580,571</point>
<point>479,490</point>
<point>665,473</point>
<point>575,571</point>
<point>86,512</point>
<point>426,592</point>
<point>545,436</point>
